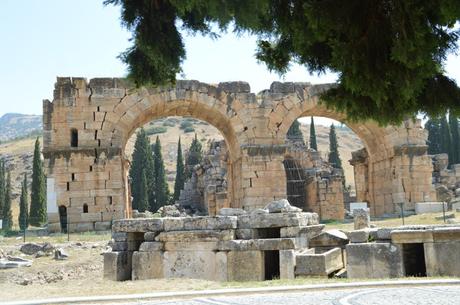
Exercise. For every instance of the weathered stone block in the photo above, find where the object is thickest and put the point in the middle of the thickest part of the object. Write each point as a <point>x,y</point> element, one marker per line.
<point>150,236</point>
<point>246,233</point>
<point>331,238</point>
<point>287,264</point>
<point>319,264</point>
<point>147,265</point>
<point>191,246</point>
<point>442,258</point>
<point>221,266</point>
<point>257,244</point>
<point>200,223</point>
<point>374,260</point>
<point>190,264</point>
<point>277,220</point>
<point>245,266</point>
<point>411,236</point>
<point>117,266</point>
<point>358,236</point>
<point>231,212</point>
<point>148,246</point>
<point>202,236</point>
<point>429,207</point>
<point>138,225</point>
<point>307,232</point>
<point>361,219</point>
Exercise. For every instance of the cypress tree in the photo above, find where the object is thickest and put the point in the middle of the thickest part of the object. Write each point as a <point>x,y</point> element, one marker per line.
<point>194,156</point>
<point>143,199</point>
<point>2,187</point>
<point>334,157</point>
<point>142,160</point>
<point>446,138</point>
<point>294,133</point>
<point>38,215</point>
<point>313,144</point>
<point>160,186</point>
<point>23,218</point>
<point>455,148</point>
<point>180,173</point>
<point>433,127</point>
<point>7,214</point>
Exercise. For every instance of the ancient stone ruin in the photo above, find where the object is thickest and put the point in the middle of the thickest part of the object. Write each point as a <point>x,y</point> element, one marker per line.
<point>87,125</point>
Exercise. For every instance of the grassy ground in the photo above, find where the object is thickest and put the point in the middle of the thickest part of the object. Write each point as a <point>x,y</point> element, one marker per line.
<point>423,219</point>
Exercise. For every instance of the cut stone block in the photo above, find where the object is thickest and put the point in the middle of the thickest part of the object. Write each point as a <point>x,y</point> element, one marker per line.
<point>147,265</point>
<point>359,236</point>
<point>245,266</point>
<point>117,266</point>
<point>277,220</point>
<point>257,244</point>
<point>442,258</point>
<point>231,212</point>
<point>138,225</point>
<point>361,219</point>
<point>202,235</point>
<point>331,238</point>
<point>150,236</point>
<point>411,236</point>
<point>287,264</point>
<point>149,246</point>
<point>319,264</point>
<point>191,246</point>
<point>190,264</point>
<point>200,223</point>
<point>374,260</point>
<point>430,207</point>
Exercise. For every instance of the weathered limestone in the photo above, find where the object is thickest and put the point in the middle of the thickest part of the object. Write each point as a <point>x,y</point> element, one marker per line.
<point>87,125</point>
<point>147,265</point>
<point>374,260</point>
<point>430,207</point>
<point>329,239</point>
<point>361,219</point>
<point>277,220</point>
<point>245,266</point>
<point>117,265</point>
<point>319,264</point>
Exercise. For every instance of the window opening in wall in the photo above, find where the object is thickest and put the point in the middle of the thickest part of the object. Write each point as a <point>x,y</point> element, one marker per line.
<point>90,168</point>
<point>95,135</point>
<point>68,186</point>
<point>74,138</point>
<point>73,176</point>
<point>110,200</point>
<point>85,208</point>
<point>414,259</point>
<point>295,183</point>
<point>272,265</point>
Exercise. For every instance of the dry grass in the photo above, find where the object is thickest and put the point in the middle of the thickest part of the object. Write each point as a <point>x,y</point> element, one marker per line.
<point>423,219</point>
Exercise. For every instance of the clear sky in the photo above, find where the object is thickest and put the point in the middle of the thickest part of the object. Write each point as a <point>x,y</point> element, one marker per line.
<point>42,39</point>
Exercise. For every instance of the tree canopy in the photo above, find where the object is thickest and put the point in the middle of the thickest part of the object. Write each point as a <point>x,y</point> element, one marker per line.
<point>388,55</point>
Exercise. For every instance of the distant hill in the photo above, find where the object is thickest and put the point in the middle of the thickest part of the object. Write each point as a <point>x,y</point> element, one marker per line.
<point>15,125</point>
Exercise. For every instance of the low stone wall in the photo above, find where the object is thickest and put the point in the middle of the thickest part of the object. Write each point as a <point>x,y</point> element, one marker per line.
<point>248,247</point>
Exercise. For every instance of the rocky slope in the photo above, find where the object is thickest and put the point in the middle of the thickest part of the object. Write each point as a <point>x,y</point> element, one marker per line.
<point>15,125</point>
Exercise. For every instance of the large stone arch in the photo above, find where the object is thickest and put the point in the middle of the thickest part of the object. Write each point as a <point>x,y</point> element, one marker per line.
<point>394,168</point>
<point>87,125</point>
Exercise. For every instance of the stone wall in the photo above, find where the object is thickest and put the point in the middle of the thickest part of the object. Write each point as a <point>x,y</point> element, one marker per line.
<point>87,125</point>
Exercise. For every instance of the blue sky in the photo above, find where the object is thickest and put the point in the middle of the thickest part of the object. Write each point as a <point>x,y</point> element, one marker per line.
<point>42,39</point>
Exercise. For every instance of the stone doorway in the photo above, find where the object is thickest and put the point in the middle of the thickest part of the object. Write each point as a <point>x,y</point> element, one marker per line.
<point>295,183</point>
<point>272,265</point>
<point>63,218</point>
<point>414,259</point>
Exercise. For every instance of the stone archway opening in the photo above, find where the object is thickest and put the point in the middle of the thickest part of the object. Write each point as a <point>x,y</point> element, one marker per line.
<point>63,218</point>
<point>314,182</point>
<point>206,179</point>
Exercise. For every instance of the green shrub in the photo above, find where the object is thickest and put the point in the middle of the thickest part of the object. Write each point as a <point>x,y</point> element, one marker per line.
<point>189,129</point>
<point>156,130</point>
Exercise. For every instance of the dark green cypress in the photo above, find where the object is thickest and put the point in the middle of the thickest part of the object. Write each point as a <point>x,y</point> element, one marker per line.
<point>180,173</point>
<point>143,198</point>
<point>38,215</point>
<point>194,156</point>
<point>23,218</point>
<point>334,156</point>
<point>7,214</point>
<point>455,147</point>
<point>433,126</point>
<point>160,186</point>
<point>142,160</point>
<point>294,133</point>
<point>446,138</point>
<point>313,144</point>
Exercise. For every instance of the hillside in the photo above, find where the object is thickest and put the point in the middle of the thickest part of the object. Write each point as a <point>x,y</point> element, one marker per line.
<point>15,125</point>
<point>18,153</point>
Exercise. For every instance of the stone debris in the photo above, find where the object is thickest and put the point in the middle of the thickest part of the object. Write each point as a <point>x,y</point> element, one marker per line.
<point>231,212</point>
<point>281,206</point>
<point>34,248</point>
<point>10,262</point>
<point>60,254</point>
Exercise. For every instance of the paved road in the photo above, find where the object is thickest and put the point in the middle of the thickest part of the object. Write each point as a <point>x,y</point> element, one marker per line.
<point>424,295</point>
